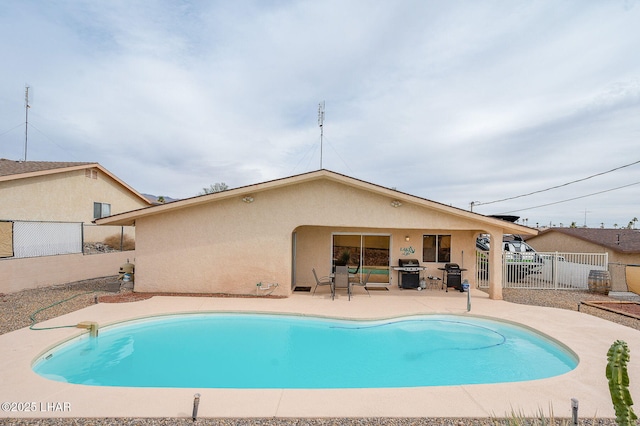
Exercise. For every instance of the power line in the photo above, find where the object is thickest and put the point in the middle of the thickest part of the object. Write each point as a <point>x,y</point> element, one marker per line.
<point>478,203</point>
<point>339,156</point>
<point>19,125</point>
<point>572,199</point>
<point>52,141</point>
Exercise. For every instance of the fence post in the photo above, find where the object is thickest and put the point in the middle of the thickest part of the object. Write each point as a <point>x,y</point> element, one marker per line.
<point>122,238</point>
<point>554,271</point>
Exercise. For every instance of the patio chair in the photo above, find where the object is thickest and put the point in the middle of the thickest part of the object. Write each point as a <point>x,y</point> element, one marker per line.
<point>356,271</point>
<point>363,283</point>
<point>341,280</point>
<point>321,282</point>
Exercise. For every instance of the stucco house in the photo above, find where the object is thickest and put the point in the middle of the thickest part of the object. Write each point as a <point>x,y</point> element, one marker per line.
<point>278,231</point>
<point>64,192</point>
<point>621,245</point>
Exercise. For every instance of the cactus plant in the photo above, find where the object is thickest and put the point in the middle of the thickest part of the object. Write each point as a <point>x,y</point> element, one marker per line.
<point>616,371</point>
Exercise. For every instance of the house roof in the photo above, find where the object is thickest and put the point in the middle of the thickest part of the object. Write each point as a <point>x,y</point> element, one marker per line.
<point>129,218</point>
<point>620,240</point>
<point>14,170</point>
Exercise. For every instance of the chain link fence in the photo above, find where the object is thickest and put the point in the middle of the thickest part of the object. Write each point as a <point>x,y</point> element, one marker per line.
<point>22,239</point>
<point>33,239</point>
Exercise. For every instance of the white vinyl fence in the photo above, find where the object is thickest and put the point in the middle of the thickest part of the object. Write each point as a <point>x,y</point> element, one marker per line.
<point>550,270</point>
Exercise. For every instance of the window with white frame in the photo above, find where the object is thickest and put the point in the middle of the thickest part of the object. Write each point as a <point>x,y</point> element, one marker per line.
<point>101,210</point>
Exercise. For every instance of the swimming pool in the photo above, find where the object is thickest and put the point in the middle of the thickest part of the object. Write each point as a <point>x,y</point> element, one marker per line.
<point>280,351</point>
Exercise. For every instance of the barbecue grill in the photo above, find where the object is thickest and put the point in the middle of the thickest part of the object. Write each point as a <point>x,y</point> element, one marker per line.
<point>409,273</point>
<point>453,274</point>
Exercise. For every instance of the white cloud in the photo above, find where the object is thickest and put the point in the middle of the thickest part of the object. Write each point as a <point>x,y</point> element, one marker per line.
<point>454,101</point>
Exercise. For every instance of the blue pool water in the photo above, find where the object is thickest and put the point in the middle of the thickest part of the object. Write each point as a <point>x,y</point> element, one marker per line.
<point>277,351</point>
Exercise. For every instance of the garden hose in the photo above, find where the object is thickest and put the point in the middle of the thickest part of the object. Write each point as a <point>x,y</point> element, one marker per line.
<point>32,317</point>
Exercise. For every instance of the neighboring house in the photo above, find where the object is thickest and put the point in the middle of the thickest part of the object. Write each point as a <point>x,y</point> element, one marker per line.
<point>277,231</point>
<point>621,245</point>
<point>64,192</point>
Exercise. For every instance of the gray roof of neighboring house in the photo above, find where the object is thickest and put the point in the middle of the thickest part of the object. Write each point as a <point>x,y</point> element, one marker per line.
<point>14,170</point>
<point>10,167</point>
<point>621,240</point>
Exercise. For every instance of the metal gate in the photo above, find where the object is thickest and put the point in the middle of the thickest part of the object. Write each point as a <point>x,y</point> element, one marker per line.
<point>543,270</point>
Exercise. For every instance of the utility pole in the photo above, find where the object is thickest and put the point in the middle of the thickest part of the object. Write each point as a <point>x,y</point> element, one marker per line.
<point>26,120</point>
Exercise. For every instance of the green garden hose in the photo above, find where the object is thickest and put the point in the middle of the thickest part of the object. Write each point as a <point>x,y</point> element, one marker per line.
<point>32,317</point>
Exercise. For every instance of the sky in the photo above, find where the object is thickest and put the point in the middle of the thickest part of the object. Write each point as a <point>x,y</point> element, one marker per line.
<point>459,102</point>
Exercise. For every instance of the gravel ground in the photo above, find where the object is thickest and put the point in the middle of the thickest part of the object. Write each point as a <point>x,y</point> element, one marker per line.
<point>309,422</point>
<point>16,309</point>
<point>568,299</point>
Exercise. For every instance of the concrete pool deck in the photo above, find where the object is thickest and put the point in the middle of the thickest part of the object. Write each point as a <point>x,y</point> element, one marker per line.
<point>588,336</point>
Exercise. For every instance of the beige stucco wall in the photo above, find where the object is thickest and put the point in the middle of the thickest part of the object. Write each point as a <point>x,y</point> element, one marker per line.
<point>65,196</point>
<point>35,272</point>
<point>556,241</point>
<point>229,246</point>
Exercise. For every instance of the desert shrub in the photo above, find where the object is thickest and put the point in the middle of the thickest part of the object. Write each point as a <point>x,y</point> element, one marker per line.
<point>113,241</point>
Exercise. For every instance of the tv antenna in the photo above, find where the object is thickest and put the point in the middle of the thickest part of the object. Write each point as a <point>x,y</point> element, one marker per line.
<point>321,123</point>
<point>26,119</point>
<point>585,217</point>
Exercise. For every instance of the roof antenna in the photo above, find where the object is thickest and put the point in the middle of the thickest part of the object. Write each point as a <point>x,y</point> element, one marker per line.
<point>321,123</point>
<point>26,119</point>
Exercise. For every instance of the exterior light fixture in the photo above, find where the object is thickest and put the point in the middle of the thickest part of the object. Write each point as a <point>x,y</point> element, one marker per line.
<point>396,203</point>
<point>407,238</point>
<point>248,199</point>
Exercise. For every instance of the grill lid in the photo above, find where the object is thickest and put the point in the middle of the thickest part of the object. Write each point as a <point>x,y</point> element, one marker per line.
<point>449,266</point>
<point>408,262</point>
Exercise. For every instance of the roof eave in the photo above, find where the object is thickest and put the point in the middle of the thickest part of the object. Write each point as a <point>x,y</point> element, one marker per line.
<point>129,218</point>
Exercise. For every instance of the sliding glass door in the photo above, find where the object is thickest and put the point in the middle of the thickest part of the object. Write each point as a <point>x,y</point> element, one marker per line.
<point>364,253</point>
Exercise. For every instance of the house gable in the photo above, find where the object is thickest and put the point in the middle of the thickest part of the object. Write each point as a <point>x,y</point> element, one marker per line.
<point>61,191</point>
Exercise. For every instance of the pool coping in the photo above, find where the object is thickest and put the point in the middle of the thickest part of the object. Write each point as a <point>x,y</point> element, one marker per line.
<point>587,336</point>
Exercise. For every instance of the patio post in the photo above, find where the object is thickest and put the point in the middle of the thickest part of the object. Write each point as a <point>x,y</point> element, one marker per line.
<point>495,267</point>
